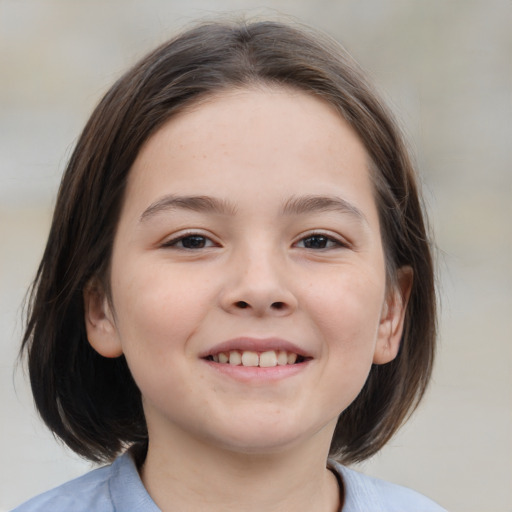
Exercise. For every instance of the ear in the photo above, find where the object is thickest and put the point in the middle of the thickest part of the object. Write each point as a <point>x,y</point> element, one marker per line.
<point>99,320</point>
<point>392,318</point>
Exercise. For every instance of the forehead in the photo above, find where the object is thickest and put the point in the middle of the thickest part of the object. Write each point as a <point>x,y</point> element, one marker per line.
<point>255,143</point>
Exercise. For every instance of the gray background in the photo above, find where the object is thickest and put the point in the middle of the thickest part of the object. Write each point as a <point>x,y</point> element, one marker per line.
<point>446,68</point>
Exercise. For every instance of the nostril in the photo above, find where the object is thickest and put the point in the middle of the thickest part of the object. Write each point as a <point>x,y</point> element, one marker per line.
<point>274,306</point>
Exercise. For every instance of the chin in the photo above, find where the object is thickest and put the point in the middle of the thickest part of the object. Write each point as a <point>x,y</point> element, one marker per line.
<point>259,438</point>
<point>258,446</point>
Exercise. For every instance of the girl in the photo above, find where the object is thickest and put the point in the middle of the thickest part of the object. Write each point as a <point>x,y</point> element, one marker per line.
<point>237,295</point>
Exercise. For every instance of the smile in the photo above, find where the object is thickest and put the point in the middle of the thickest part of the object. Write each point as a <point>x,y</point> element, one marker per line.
<point>250,358</point>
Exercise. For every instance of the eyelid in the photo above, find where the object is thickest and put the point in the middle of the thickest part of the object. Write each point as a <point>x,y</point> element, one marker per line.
<point>340,241</point>
<point>174,239</point>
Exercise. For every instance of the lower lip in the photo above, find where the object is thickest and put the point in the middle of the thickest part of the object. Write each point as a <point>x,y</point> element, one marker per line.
<point>257,373</point>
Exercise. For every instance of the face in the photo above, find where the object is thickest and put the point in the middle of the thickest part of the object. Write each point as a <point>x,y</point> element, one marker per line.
<point>248,288</point>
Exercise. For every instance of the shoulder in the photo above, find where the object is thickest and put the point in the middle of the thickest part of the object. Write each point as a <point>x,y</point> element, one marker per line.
<point>106,489</point>
<point>88,492</point>
<point>367,494</point>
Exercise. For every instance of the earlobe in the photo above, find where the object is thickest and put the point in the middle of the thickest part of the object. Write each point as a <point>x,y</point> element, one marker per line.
<point>393,317</point>
<point>99,320</point>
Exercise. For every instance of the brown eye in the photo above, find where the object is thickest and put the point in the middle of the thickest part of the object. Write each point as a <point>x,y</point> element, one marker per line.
<point>193,242</point>
<point>318,242</point>
<point>190,242</point>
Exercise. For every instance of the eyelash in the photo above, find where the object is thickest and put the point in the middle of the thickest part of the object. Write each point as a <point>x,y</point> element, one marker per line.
<point>205,242</point>
<point>173,243</point>
<point>336,243</point>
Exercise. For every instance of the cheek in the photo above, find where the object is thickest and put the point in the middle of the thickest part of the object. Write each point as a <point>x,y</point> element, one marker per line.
<point>350,298</point>
<point>347,311</point>
<point>158,309</point>
<point>156,314</point>
<point>347,318</point>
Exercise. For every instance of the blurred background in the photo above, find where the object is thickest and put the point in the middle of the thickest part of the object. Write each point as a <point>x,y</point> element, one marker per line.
<point>445,66</point>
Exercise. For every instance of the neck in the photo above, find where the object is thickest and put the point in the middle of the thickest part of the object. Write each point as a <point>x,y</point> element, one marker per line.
<point>180,475</point>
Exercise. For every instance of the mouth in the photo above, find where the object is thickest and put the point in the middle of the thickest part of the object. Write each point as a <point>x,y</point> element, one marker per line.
<point>251,358</point>
<point>256,353</point>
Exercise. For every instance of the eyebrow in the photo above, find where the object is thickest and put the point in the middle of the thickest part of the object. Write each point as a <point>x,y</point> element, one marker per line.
<point>192,203</point>
<point>294,206</point>
<point>313,203</point>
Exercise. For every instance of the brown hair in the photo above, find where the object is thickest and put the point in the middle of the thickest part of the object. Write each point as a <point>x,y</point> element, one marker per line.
<point>91,402</point>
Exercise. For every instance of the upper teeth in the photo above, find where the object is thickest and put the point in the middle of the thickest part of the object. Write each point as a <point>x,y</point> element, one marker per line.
<point>261,359</point>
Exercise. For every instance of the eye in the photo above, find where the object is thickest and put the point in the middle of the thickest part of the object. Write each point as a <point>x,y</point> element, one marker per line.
<point>319,242</point>
<point>190,242</point>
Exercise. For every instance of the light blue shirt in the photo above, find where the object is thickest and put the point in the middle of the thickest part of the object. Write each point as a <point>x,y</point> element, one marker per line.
<point>118,488</point>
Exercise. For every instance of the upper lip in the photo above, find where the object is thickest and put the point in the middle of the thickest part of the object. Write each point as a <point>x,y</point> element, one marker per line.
<point>244,343</point>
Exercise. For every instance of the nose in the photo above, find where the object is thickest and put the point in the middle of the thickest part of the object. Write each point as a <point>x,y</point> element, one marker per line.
<point>258,285</point>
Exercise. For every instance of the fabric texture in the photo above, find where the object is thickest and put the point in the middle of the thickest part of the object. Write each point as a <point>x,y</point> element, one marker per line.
<point>118,488</point>
<point>366,494</point>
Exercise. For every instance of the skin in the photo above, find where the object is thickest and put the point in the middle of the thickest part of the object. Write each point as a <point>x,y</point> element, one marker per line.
<point>266,265</point>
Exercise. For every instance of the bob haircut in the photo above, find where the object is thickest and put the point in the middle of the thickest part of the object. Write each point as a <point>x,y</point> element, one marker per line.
<point>91,402</point>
